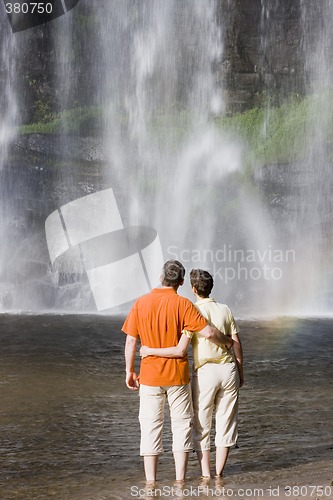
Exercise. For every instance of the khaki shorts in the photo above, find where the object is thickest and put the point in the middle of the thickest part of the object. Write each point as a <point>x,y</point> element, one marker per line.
<point>151,417</point>
<point>215,386</point>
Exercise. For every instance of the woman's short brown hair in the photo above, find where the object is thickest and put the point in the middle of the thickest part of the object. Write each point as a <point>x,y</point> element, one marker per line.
<point>202,281</point>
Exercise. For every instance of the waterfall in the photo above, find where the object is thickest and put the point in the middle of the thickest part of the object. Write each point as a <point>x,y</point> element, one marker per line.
<point>314,225</point>
<point>8,117</point>
<point>303,228</point>
<point>163,144</point>
<point>8,101</point>
<point>155,72</point>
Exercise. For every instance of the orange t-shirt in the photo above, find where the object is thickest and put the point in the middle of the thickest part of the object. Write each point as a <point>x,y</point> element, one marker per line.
<point>158,318</point>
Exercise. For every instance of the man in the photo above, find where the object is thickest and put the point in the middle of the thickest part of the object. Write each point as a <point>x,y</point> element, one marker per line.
<point>216,378</point>
<point>159,318</point>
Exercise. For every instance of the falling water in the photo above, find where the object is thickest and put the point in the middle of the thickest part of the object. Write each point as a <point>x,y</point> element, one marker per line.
<point>185,177</point>
<point>314,228</point>
<point>8,97</point>
<point>304,224</point>
<point>8,110</point>
<point>163,85</point>
<point>177,167</point>
<point>154,69</point>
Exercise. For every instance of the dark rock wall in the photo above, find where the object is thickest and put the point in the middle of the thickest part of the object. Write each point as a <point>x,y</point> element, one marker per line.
<point>34,74</point>
<point>41,58</point>
<point>263,57</point>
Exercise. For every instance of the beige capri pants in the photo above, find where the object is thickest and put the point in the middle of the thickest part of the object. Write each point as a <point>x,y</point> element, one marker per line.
<point>215,385</point>
<point>151,417</point>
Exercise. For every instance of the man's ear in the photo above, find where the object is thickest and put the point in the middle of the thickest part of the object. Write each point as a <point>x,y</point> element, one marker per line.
<point>161,278</point>
<point>194,290</point>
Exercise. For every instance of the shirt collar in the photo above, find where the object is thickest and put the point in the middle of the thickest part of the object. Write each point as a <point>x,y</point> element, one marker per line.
<point>164,290</point>
<point>203,301</point>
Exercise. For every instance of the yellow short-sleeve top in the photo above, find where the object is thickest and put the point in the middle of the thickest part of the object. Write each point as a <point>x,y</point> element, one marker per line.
<point>220,316</point>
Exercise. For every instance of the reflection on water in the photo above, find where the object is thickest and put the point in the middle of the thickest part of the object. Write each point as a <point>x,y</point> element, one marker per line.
<point>69,427</point>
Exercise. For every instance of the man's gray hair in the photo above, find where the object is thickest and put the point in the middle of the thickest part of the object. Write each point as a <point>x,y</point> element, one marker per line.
<point>173,273</point>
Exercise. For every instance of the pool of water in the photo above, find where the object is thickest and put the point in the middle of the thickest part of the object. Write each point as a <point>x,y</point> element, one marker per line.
<point>69,426</point>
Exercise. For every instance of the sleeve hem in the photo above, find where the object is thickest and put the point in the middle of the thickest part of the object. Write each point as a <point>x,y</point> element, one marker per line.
<point>130,334</point>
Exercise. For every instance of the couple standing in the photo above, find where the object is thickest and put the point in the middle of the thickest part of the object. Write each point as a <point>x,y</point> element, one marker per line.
<point>166,323</point>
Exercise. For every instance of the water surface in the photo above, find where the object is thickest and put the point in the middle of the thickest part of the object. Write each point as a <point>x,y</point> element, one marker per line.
<point>69,427</point>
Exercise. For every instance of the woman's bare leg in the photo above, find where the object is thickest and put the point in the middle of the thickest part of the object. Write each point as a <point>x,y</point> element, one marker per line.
<point>204,461</point>
<point>181,460</point>
<point>222,453</point>
<point>150,464</point>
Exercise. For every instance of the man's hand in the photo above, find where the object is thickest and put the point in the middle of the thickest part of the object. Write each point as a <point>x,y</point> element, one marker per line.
<point>238,353</point>
<point>144,351</point>
<point>132,381</point>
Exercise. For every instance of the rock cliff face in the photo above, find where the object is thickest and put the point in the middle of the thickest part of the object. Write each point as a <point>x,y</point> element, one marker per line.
<point>263,51</point>
<point>263,56</point>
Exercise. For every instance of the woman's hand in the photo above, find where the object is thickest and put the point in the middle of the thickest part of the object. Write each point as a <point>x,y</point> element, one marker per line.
<point>144,351</point>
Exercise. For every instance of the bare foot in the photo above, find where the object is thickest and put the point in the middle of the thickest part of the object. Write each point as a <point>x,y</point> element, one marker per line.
<point>219,481</point>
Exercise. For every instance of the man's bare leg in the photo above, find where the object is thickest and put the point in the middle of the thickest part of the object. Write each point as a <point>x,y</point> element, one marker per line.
<point>150,465</point>
<point>204,461</point>
<point>181,460</point>
<point>222,453</point>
